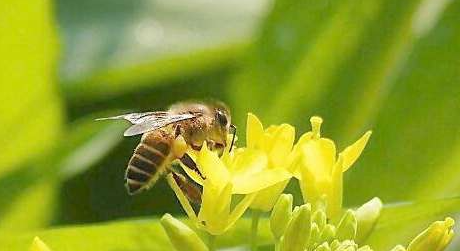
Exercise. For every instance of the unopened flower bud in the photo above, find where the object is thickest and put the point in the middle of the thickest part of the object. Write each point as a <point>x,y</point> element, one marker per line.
<point>320,218</point>
<point>328,233</point>
<point>181,236</point>
<point>347,245</point>
<point>367,216</point>
<point>399,248</point>
<point>435,237</point>
<point>347,227</point>
<point>281,214</point>
<point>365,248</point>
<point>38,245</point>
<point>335,244</point>
<point>323,247</point>
<point>315,234</point>
<point>298,230</point>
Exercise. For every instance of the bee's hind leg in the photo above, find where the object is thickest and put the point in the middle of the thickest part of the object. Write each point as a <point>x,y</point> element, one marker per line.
<point>186,159</point>
<point>190,189</point>
<point>190,163</point>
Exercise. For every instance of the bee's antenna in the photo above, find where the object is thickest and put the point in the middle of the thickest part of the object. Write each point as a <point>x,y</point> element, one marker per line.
<point>233,138</point>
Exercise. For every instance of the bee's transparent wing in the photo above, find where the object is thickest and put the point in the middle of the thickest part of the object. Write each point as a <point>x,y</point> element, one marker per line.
<point>137,118</point>
<point>149,121</point>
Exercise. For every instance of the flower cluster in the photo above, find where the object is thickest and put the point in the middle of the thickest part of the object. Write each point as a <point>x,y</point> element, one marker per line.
<point>304,229</point>
<point>254,177</point>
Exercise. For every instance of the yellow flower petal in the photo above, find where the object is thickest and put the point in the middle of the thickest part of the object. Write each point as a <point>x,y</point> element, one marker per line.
<point>225,198</point>
<point>310,192</point>
<point>209,199</point>
<point>281,145</point>
<point>248,162</point>
<point>212,167</point>
<point>266,198</point>
<point>254,131</point>
<point>271,129</point>
<point>351,153</point>
<point>240,208</point>
<point>302,140</point>
<point>334,199</point>
<point>296,156</point>
<point>215,207</point>
<point>191,173</point>
<point>266,178</point>
<point>319,156</point>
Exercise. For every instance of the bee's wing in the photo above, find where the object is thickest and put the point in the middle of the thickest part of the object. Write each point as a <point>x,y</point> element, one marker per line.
<point>149,121</point>
<point>136,118</point>
<point>154,122</point>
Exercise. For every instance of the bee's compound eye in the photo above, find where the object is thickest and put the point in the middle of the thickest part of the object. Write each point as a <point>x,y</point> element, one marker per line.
<point>222,118</point>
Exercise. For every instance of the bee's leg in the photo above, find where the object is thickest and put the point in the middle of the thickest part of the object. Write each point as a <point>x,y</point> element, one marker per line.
<point>192,191</point>
<point>190,163</point>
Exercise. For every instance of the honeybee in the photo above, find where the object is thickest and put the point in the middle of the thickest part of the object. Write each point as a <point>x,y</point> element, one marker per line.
<point>192,123</point>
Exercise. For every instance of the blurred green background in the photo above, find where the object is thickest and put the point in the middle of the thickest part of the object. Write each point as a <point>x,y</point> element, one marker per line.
<point>391,66</point>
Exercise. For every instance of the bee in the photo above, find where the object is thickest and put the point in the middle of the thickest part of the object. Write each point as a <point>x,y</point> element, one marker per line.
<point>192,123</point>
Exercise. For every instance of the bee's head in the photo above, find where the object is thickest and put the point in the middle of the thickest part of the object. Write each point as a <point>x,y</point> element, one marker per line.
<point>222,123</point>
<point>222,120</point>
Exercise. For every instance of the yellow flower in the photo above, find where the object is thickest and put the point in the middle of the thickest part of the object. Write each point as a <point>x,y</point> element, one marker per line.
<point>276,142</point>
<point>320,172</point>
<point>242,171</point>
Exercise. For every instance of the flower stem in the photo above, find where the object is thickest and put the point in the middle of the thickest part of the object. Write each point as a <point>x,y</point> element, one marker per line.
<point>254,229</point>
<point>211,242</point>
<point>277,245</point>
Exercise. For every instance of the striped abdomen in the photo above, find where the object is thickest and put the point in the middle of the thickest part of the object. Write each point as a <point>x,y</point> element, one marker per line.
<point>150,160</point>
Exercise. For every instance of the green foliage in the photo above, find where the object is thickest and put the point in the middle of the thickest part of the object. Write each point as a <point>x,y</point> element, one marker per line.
<point>30,109</point>
<point>399,223</point>
<point>416,129</point>
<point>36,184</point>
<point>124,46</point>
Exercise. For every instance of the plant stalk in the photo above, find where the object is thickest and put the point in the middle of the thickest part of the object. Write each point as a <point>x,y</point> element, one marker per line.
<point>211,242</point>
<point>254,229</point>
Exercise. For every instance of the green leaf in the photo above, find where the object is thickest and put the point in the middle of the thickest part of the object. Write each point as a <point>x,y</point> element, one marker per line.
<point>35,185</point>
<point>400,223</point>
<point>413,152</point>
<point>31,116</point>
<point>121,46</point>
<point>129,235</point>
